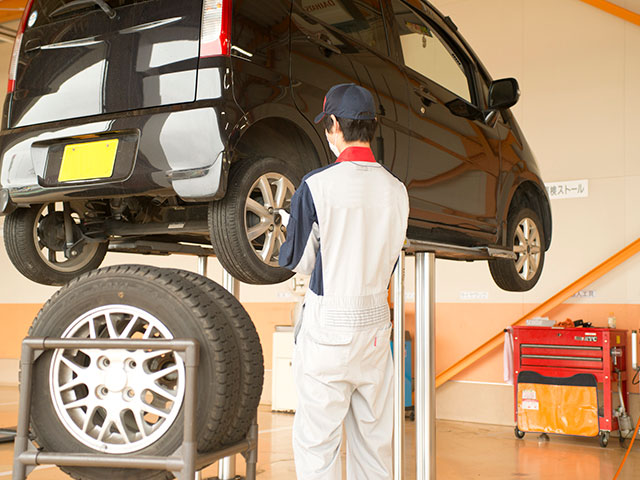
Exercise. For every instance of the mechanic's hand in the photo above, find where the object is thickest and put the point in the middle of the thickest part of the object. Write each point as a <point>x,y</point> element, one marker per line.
<point>285,216</point>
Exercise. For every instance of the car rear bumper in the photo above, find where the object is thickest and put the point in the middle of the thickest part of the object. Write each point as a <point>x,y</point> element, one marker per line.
<point>161,152</point>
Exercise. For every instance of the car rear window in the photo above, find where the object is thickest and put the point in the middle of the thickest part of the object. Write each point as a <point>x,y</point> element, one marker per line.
<point>360,19</point>
<point>42,10</point>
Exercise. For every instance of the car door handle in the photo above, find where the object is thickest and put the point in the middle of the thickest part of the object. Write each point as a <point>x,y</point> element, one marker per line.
<point>426,97</point>
<point>323,40</point>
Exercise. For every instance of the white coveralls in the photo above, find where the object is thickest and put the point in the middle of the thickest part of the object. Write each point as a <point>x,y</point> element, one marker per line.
<point>347,227</point>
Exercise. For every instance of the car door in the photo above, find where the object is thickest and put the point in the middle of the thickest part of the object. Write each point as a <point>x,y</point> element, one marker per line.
<point>454,161</point>
<point>77,61</point>
<point>344,41</point>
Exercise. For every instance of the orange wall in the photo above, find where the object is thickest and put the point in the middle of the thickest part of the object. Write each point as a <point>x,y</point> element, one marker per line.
<point>459,328</point>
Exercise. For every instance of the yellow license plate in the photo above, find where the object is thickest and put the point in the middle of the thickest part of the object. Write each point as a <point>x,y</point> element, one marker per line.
<point>88,161</point>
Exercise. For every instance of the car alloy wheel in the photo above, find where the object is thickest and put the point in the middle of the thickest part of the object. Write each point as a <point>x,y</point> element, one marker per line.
<point>117,401</point>
<point>263,224</point>
<point>527,247</point>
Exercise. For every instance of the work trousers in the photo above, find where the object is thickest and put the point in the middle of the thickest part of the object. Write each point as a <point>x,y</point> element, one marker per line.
<point>343,376</point>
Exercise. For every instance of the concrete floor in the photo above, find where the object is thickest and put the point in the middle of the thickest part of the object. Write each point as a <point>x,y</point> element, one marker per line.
<point>464,451</point>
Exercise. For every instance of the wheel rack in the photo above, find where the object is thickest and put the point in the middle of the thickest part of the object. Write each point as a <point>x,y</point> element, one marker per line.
<point>183,463</point>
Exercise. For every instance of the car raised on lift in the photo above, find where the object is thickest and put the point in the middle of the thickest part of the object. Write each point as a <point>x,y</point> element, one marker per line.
<point>156,126</point>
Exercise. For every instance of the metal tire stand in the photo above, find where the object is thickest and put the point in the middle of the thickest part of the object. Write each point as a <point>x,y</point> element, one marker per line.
<point>185,463</point>
<point>425,404</point>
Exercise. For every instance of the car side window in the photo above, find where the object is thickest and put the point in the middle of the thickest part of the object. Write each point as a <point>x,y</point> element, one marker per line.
<point>359,19</point>
<point>425,51</point>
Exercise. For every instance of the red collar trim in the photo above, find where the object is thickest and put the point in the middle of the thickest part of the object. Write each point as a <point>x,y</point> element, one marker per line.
<point>356,154</point>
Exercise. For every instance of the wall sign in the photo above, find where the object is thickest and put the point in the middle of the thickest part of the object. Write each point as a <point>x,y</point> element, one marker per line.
<point>568,189</point>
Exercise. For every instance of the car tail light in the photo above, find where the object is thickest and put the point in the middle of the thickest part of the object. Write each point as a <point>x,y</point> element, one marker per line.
<point>13,67</point>
<point>216,24</point>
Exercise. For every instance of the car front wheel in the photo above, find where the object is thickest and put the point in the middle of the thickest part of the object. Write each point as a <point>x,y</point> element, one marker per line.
<point>526,238</point>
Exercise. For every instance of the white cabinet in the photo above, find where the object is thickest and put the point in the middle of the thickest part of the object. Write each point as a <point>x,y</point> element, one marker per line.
<point>283,392</point>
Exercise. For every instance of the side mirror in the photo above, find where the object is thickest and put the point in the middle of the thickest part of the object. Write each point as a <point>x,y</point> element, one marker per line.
<point>503,94</point>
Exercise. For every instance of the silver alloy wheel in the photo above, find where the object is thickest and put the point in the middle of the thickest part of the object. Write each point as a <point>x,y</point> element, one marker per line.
<point>263,223</point>
<point>527,247</point>
<point>54,256</point>
<point>117,401</point>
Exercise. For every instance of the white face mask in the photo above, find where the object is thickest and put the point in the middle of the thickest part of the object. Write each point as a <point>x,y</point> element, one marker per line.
<point>332,146</point>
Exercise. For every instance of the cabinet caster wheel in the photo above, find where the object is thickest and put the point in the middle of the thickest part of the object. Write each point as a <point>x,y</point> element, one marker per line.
<point>519,433</point>
<point>604,439</point>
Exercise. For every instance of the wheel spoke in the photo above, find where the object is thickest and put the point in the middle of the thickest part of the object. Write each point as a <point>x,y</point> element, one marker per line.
<point>257,231</point>
<point>281,192</point>
<point>154,411</point>
<point>269,247</point>
<point>127,330</point>
<point>105,427</point>
<point>147,333</point>
<point>520,263</point>
<point>519,249</point>
<point>117,421</point>
<point>92,328</point>
<point>110,327</point>
<point>145,356</point>
<point>256,207</point>
<point>72,384</point>
<point>73,366</point>
<point>535,250</point>
<point>160,391</point>
<point>534,262</point>
<point>83,402</point>
<point>90,411</point>
<point>521,236</point>
<point>142,425</point>
<point>162,373</point>
<point>267,193</point>
<point>281,238</point>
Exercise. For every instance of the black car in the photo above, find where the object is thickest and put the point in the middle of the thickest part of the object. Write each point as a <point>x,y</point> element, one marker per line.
<point>159,126</point>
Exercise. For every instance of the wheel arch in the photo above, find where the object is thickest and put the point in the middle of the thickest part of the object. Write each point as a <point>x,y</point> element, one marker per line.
<point>529,193</point>
<point>280,132</point>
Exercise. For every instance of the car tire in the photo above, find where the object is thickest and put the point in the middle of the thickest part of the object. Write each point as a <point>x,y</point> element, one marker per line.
<point>130,302</point>
<point>246,230</point>
<point>25,238</point>
<point>525,235</point>
<point>251,371</point>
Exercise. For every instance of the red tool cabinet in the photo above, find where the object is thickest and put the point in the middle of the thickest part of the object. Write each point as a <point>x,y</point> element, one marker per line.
<point>557,361</point>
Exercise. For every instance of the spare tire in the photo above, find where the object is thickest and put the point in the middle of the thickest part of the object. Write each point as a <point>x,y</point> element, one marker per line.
<point>130,401</point>
<point>251,371</point>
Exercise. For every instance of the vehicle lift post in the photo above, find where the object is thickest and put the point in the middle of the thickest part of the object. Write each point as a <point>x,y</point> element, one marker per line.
<point>425,399</point>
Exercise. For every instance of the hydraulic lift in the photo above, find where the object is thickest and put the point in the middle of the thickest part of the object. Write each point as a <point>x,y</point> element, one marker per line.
<point>425,392</point>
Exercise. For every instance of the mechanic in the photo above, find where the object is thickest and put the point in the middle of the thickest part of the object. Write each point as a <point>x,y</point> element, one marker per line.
<point>347,227</point>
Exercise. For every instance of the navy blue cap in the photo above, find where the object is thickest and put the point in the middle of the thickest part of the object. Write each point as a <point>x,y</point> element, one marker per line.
<point>348,100</point>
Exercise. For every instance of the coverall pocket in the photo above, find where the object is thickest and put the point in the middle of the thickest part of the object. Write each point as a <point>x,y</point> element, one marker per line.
<point>330,338</point>
<point>379,347</point>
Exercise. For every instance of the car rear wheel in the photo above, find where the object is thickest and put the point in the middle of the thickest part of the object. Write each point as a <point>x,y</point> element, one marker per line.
<point>35,242</point>
<point>130,401</point>
<point>245,226</point>
<point>526,238</point>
